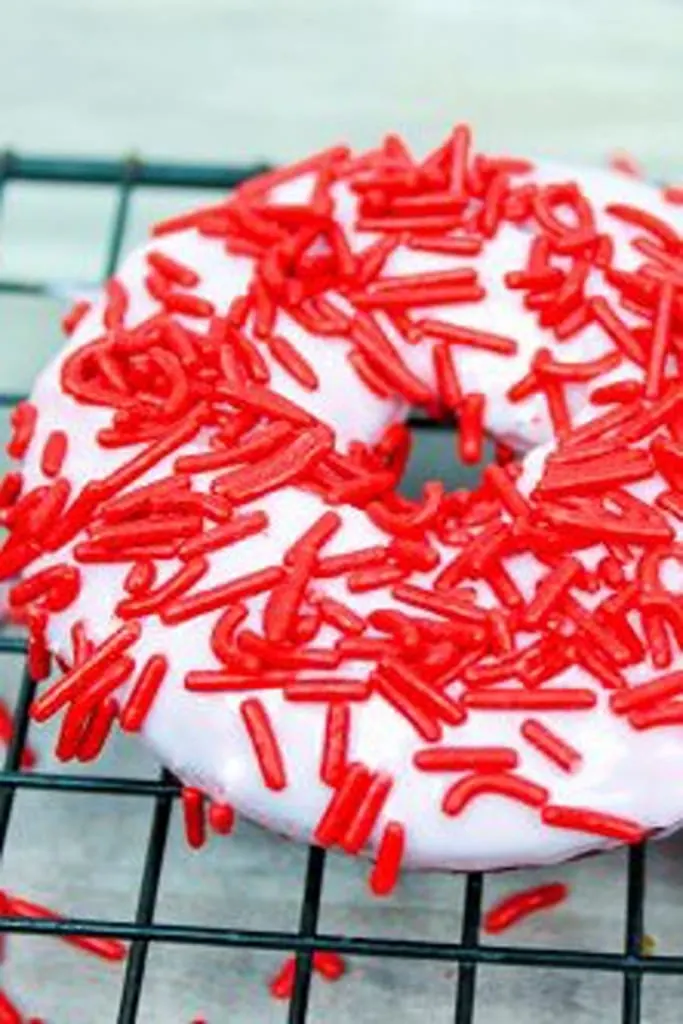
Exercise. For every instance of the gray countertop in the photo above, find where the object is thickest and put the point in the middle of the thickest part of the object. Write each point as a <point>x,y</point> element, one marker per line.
<point>84,854</point>
<point>240,79</point>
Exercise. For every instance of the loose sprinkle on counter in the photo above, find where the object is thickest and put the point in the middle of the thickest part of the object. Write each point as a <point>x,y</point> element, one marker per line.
<point>523,904</point>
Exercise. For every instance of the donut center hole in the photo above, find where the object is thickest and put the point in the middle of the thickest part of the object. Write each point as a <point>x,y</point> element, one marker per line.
<point>433,456</point>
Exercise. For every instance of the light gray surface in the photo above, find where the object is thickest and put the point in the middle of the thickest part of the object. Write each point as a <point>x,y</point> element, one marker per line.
<point>84,856</point>
<point>226,80</point>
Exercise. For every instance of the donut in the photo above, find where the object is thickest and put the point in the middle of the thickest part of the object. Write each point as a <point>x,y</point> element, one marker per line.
<point>211,543</point>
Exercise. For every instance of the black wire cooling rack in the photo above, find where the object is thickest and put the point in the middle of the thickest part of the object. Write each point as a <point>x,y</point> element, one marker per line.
<point>632,964</point>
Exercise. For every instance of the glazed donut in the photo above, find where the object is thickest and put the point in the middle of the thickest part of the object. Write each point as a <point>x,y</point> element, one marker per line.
<point>211,541</point>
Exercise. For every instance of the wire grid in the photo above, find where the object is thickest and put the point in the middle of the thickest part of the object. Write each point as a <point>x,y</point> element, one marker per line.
<point>125,176</point>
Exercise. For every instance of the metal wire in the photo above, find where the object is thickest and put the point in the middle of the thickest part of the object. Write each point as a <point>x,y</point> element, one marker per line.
<point>635,906</point>
<point>147,898</point>
<point>467,974</point>
<point>397,949</point>
<point>14,752</point>
<point>310,912</point>
<point>125,177</point>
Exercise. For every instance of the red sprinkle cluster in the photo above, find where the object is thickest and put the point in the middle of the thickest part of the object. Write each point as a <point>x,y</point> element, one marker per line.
<point>330,967</point>
<point>196,815</point>
<point>189,372</point>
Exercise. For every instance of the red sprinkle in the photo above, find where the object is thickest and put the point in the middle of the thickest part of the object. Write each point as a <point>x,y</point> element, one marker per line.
<point>263,401</point>
<point>141,697</point>
<point>469,336</point>
<point>661,342</point>
<point>54,453</point>
<point>220,596</point>
<point>582,819</point>
<point>28,756</point>
<point>450,389</point>
<point>221,818</point>
<point>117,304</point>
<point>263,443</point>
<point>236,530</point>
<point>514,787</point>
<point>71,730</point>
<point>647,695</point>
<point>140,464</point>
<point>557,699</point>
<point>335,744</point>
<point>105,949</point>
<point>466,759</point>
<point>387,867</point>
<point>615,328</point>
<point>648,222</point>
<point>194,817</point>
<point>284,466</point>
<point>460,153</point>
<point>291,360</point>
<point>10,489</point>
<point>188,304</point>
<point>663,714</point>
<point>172,269</point>
<point>73,318</point>
<point>467,245</point>
<point>367,814</point>
<point>141,577</point>
<point>78,679</point>
<point>332,689</point>
<point>552,589</point>
<point>520,905</point>
<point>341,617</point>
<point>625,164</point>
<point>343,806</point>
<point>9,1012</point>
<point>551,745</point>
<point>471,421</point>
<point>156,602</point>
<point>23,420</point>
<point>264,742</point>
<point>331,966</point>
<point>97,727</point>
<point>282,984</point>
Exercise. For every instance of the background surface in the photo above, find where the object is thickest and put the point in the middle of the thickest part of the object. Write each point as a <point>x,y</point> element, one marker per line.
<point>223,80</point>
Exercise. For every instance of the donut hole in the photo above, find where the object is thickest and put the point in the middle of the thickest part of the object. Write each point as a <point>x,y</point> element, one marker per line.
<point>433,456</point>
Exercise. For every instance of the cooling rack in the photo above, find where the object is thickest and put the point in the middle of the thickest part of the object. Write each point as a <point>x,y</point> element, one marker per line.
<point>123,178</point>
